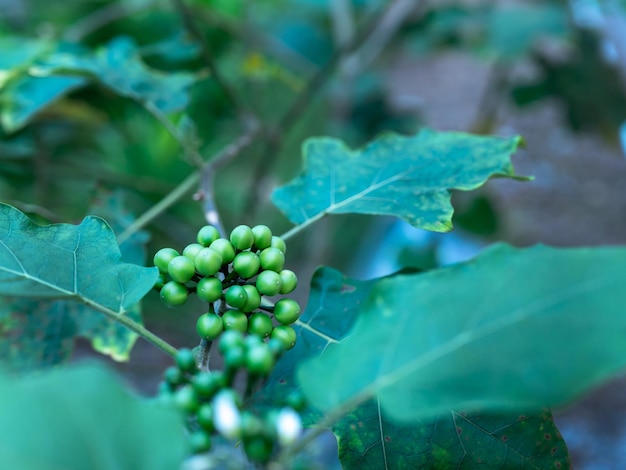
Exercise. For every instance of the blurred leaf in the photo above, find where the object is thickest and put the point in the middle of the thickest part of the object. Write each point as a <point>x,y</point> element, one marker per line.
<point>452,440</point>
<point>83,418</point>
<point>24,96</point>
<point>73,262</point>
<point>17,53</point>
<point>493,333</point>
<point>408,177</point>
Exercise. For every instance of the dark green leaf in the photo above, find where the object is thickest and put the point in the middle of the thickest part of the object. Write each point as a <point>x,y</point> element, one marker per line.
<point>453,440</point>
<point>512,329</point>
<point>83,418</point>
<point>73,262</point>
<point>407,177</point>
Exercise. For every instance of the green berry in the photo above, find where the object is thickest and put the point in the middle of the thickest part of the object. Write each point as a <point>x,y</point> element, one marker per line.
<point>199,442</point>
<point>254,299</point>
<point>272,259</point>
<point>207,235</point>
<point>246,264</point>
<point>209,289</point>
<point>286,311</point>
<point>268,283</point>
<point>192,250</point>
<point>242,237</point>
<point>160,282</point>
<point>236,296</point>
<point>181,269</point>
<point>251,425</point>
<point>205,417</point>
<point>173,294</point>
<point>173,376</point>
<point>207,384</point>
<point>262,236</point>
<point>209,326</point>
<point>259,360</point>
<point>163,257</point>
<point>235,358</point>
<point>288,281</point>
<point>225,249</point>
<point>235,320</point>
<point>258,449</point>
<point>296,400</point>
<point>186,360</point>
<point>208,261</point>
<point>230,339</point>
<point>286,335</point>
<point>279,243</point>
<point>186,399</point>
<point>260,324</point>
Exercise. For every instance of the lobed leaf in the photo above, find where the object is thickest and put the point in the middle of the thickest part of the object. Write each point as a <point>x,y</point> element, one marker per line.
<point>407,177</point>
<point>513,329</point>
<point>83,418</point>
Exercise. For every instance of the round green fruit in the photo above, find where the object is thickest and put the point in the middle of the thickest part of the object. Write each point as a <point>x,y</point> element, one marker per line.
<point>230,339</point>
<point>207,384</point>
<point>163,257</point>
<point>225,249</point>
<point>246,264</point>
<point>288,281</point>
<point>268,283</point>
<point>181,269</point>
<point>186,360</point>
<point>258,449</point>
<point>279,243</point>
<point>199,442</point>
<point>209,326</point>
<point>173,376</point>
<point>259,360</point>
<point>235,358</point>
<point>254,299</point>
<point>186,399</point>
<point>192,250</point>
<point>262,236</point>
<point>286,335</point>
<point>209,289</point>
<point>286,311</point>
<point>207,235</point>
<point>272,259</point>
<point>242,237</point>
<point>208,261</point>
<point>160,282</point>
<point>235,320</point>
<point>236,296</point>
<point>260,324</point>
<point>205,417</point>
<point>173,294</point>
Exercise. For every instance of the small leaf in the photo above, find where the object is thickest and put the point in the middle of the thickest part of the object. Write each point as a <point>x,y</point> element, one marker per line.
<point>512,329</point>
<point>69,262</point>
<point>83,418</point>
<point>407,177</point>
<point>452,440</point>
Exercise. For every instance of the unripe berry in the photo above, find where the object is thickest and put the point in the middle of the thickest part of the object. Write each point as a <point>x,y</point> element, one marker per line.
<point>242,237</point>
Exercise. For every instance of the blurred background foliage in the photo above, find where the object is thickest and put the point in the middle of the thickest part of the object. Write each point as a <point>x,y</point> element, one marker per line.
<point>105,107</point>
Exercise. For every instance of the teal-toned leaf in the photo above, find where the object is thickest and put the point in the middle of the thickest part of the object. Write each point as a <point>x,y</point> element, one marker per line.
<point>83,418</point>
<point>17,53</point>
<point>407,177</point>
<point>453,440</point>
<point>512,329</point>
<point>25,96</point>
<point>72,262</point>
<point>118,65</point>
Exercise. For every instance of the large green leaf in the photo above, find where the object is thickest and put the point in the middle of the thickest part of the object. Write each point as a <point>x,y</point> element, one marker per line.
<point>83,418</point>
<point>512,329</point>
<point>35,333</point>
<point>367,438</point>
<point>72,262</point>
<point>408,177</point>
<point>453,440</point>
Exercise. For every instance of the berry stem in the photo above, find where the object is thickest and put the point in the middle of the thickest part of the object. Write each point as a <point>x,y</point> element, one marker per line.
<point>204,354</point>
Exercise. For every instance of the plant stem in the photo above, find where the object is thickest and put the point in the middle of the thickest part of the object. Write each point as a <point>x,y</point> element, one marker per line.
<point>136,327</point>
<point>292,232</point>
<point>147,217</point>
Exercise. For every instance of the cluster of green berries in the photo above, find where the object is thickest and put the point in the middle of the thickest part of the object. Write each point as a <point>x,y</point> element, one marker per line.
<point>214,408</point>
<point>235,276</point>
<point>238,271</point>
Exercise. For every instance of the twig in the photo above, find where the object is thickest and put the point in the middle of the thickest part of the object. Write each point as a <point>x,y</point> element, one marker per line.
<point>207,56</point>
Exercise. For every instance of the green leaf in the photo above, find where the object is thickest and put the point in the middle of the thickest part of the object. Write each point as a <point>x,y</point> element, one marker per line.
<point>452,440</point>
<point>512,329</point>
<point>407,177</point>
<point>83,418</point>
<point>17,53</point>
<point>118,65</point>
<point>72,262</point>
